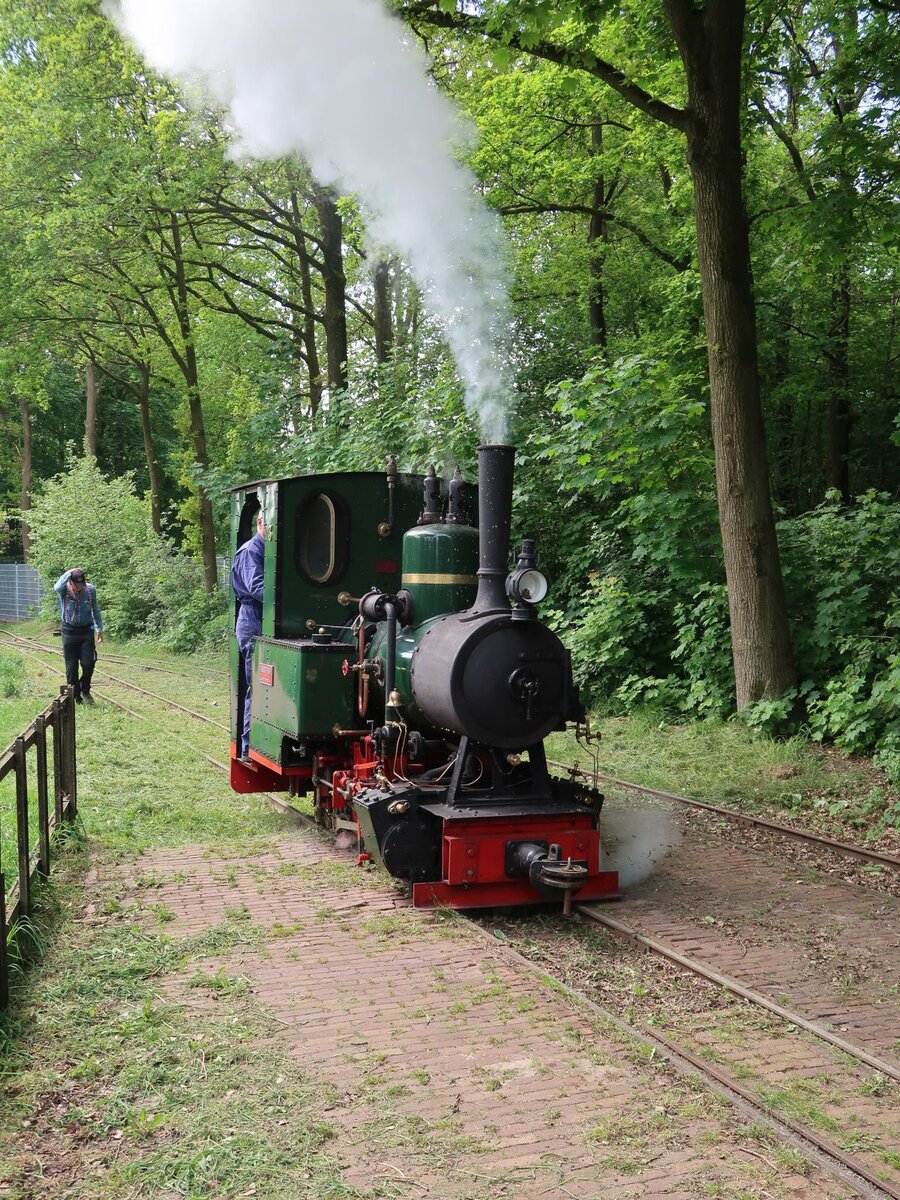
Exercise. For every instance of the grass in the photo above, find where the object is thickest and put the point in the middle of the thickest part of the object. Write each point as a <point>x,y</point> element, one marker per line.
<point>114,1091</point>
<point>724,762</point>
<point>103,1075</point>
<point>142,1066</point>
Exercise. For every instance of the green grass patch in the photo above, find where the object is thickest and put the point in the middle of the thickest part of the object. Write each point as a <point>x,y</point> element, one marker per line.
<point>725,762</point>
<point>109,1078</point>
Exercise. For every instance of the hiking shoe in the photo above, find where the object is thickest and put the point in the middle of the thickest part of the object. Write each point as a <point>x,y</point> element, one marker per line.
<point>78,700</point>
<point>87,698</point>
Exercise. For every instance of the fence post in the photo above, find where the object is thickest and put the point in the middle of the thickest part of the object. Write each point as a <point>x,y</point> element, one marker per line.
<point>40,726</point>
<point>67,708</point>
<point>22,826</point>
<point>56,720</point>
<point>4,965</point>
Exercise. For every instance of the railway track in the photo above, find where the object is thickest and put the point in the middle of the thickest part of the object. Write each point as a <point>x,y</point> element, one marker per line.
<point>741,818</point>
<point>846,1166</point>
<point>33,652</point>
<point>153,665</point>
<point>860,853</point>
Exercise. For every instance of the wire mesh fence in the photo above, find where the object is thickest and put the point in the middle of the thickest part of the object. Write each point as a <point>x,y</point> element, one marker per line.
<point>21,592</point>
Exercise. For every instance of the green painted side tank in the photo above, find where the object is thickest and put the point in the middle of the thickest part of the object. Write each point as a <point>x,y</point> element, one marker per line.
<point>439,565</point>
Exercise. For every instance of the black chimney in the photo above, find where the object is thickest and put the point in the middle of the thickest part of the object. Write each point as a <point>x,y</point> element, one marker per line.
<point>495,483</point>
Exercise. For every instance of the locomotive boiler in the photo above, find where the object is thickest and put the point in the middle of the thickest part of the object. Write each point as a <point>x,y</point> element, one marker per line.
<point>405,681</point>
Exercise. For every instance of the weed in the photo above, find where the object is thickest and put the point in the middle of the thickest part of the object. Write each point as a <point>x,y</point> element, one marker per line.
<point>220,983</point>
<point>161,913</point>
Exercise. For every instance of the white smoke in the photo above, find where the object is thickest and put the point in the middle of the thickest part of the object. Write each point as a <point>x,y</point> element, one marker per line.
<point>340,83</point>
<point>636,839</point>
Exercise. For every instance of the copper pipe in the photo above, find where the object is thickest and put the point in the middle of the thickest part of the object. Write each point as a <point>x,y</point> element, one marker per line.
<point>362,685</point>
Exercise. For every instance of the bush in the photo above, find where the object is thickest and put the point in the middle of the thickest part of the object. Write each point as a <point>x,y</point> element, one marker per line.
<point>842,574</point>
<point>12,674</point>
<point>144,586</point>
<point>621,487</point>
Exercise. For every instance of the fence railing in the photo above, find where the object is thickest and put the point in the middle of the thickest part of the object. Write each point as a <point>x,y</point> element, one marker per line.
<point>54,727</point>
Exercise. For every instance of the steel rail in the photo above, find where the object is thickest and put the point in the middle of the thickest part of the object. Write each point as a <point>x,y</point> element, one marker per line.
<point>678,1055</point>
<point>274,799</point>
<point>640,940</point>
<point>36,649</point>
<point>123,659</point>
<point>824,1152</point>
<point>733,814</point>
<point>789,831</point>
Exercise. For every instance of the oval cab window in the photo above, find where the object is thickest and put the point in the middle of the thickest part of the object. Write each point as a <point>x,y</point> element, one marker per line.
<point>321,538</point>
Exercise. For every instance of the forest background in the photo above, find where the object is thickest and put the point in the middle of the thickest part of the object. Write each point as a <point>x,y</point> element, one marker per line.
<point>175,322</point>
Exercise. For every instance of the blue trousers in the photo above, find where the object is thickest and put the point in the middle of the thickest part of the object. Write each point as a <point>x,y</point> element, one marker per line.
<point>246,648</point>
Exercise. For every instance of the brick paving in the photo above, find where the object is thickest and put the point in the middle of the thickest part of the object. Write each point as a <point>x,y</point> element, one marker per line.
<point>451,1073</point>
<point>827,948</point>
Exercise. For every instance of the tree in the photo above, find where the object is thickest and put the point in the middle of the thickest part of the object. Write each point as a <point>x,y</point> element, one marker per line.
<point>709,43</point>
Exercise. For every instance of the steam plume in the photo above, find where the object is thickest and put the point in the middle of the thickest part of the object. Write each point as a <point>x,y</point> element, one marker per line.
<point>337,82</point>
<point>636,839</point>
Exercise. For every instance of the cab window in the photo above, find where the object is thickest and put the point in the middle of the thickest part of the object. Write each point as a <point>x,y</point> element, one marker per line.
<point>321,535</point>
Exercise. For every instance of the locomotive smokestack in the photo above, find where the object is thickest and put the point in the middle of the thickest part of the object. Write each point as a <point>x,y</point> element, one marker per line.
<point>495,482</point>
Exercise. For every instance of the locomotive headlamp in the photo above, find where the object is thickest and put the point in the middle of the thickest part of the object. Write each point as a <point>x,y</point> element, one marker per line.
<point>526,583</point>
<point>529,585</point>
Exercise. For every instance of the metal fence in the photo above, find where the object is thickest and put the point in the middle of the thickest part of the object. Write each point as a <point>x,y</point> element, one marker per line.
<point>21,591</point>
<point>52,729</point>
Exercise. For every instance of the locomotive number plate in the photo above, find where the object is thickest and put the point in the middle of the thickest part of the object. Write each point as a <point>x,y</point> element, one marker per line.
<point>267,674</point>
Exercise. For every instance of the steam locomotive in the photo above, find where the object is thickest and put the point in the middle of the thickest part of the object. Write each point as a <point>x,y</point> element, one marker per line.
<point>405,680</point>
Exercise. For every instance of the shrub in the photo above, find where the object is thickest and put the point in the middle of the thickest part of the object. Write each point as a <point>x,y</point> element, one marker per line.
<point>842,574</point>
<point>144,586</point>
<point>12,674</point>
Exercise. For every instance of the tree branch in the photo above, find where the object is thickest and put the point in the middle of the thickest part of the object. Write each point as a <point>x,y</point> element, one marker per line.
<point>578,60</point>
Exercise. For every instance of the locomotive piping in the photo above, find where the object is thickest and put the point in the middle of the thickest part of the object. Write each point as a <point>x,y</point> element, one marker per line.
<point>495,483</point>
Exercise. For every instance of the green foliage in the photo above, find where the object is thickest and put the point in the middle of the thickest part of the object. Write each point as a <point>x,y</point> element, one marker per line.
<point>633,543</point>
<point>144,586</point>
<point>842,567</point>
<point>12,674</point>
<point>625,466</point>
<point>703,649</point>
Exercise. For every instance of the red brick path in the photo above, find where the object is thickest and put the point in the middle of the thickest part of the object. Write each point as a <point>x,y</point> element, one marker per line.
<point>453,1075</point>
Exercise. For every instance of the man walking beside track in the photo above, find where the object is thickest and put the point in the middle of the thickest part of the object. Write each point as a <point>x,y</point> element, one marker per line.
<point>80,615</point>
<point>247,585</point>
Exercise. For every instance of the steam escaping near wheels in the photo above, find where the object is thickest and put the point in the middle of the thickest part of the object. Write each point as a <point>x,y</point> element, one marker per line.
<point>636,839</point>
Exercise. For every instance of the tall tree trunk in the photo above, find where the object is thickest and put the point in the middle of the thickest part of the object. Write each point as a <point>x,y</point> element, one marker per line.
<point>149,450</point>
<point>332,242</point>
<point>837,424</point>
<point>384,328</point>
<point>195,405</point>
<point>90,414</point>
<point>25,498</point>
<point>598,231</point>
<point>709,40</point>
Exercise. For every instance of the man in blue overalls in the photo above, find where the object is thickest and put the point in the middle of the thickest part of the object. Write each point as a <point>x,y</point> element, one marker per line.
<point>79,616</point>
<point>247,585</point>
